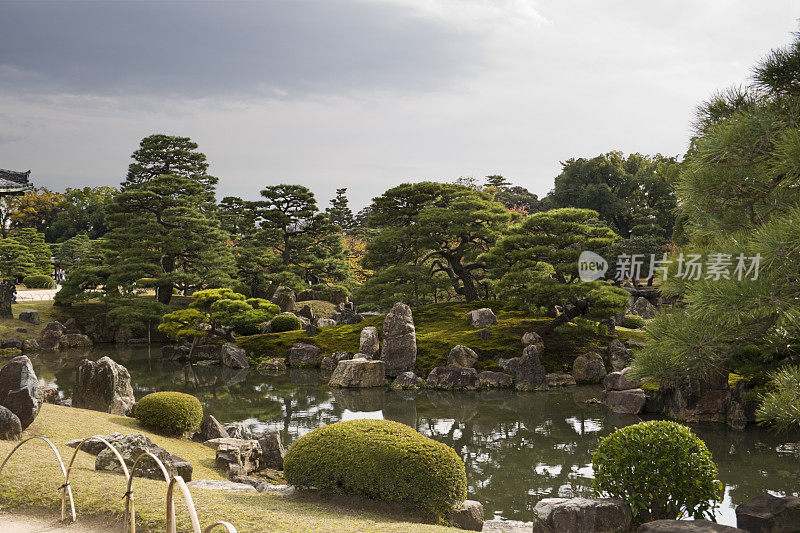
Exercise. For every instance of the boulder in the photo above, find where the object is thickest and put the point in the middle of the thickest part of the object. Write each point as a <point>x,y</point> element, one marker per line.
<point>304,355</point>
<point>94,445</point>
<point>359,373</point>
<point>103,385</point>
<point>29,315</point>
<point>618,355</point>
<point>284,298</point>
<point>19,390</point>
<point>272,451</point>
<point>307,312</point>
<point>50,395</point>
<point>506,526</point>
<point>74,340</point>
<point>481,318</point>
<point>559,380</point>
<point>643,308</point>
<point>532,338</point>
<point>630,401</point>
<point>685,526</point>
<point>171,352</point>
<point>14,344</point>
<point>588,368</point>
<point>210,428</point>
<point>529,373</point>
<point>130,447</point>
<point>50,338</point>
<point>206,352</point>
<point>407,380</point>
<point>634,343</point>
<point>10,426</point>
<point>619,380</point>
<point>236,430</point>
<point>399,350</point>
<point>495,380</point>
<point>348,316</point>
<point>325,322</point>
<point>218,484</point>
<point>369,345</point>
<point>269,367</point>
<point>236,456</point>
<point>461,355</point>
<point>453,378</point>
<point>693,400</point>
<point>468,515</point>
<point>328,363</point>
<point>769,513</point>
<point>233,356</point>
<point>310,329</point>
<point>557,515</point>
<point>30,345</point>
<point>266,487</point>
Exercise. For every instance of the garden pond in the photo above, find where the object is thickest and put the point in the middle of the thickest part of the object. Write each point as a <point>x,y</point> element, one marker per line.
<point>518,447</point>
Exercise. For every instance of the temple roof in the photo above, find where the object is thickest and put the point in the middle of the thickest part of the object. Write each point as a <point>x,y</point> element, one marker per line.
<point>12,182</point>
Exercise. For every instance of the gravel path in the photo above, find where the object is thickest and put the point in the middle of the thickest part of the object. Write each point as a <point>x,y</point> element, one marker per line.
<point>37,524</point>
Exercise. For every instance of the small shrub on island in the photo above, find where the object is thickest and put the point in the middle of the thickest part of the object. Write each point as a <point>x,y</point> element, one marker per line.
<point>379,459</point>
<point>170,413</point>
<point>39,282</point>
<point>283,323</point>
<point>633,322</point>
<point>660,468</point>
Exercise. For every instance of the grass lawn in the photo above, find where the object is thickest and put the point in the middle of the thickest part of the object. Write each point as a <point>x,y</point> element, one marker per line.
<point>31,479</point>
<point>8,326</point>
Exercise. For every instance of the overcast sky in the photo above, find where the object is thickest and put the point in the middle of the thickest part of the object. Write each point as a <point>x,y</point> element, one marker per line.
<point>365,94</point>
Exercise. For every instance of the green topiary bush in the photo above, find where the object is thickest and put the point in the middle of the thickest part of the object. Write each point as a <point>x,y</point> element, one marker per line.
<point>285,323</point>
<point>168,412</point>
<point>633,322</point>
<point>660,468</point>
<point>39,282</point>
<point>379,459</point>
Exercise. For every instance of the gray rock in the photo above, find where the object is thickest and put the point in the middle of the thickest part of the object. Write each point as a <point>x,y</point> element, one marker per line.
<point>481,318</point>
<point>15,344</point>
<point>589,368</point>
<point>217,484</point>
<point>131,447</point>
<point>50,395</point>
<point>559,380</point>
<point>618,355</point>
<point>207,352</point>
<point>233,356</point>
<point>461,355</point>
<point>236,456</point>
<point>453,378</point>
<point>74,340</point>
<point>328,363</point>
<point>506,526</point>
<point>399,350</point>
<point>619,380</point>
<point>643,308</point>
<point>284,298</point>
<point>769,513</point>
<point>468,515</point>
<point>30,345</point>
<point>630,401</point>
<point>686,526</point>
<point>29,315</point>
<point>171,352</point>
<point>348,316</point>
<point>304,355</point>
<point>369,345</point>
<point>325,322</point>
<point>407,380</point>
<point>495,380</point>
<point>274,490</point>
<point>532,338</point>
<point>270,367</point>
<point>210,428</point>
<point>272,452</point>
<point>359,373</point>
<point>50,338</point>
<point>581,515</point>
<point>94,445</point>
<point>103,385</point>
<point>10,426</point>
<point>307,312</point>
<point>634,343</point>
<point>237,430</point>
<point>529,373</point>
<point>19,390</point>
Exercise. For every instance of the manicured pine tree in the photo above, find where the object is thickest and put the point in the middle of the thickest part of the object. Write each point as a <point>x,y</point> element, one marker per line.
<point>339,212</point>
<point>39,251</point>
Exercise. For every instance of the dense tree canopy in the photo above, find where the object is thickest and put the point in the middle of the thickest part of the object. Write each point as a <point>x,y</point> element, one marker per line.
<point>80,211</point>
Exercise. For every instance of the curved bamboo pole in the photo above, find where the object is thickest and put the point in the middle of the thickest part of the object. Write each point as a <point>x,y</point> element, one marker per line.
<point>130,508</point>
<point>229,527</point>
<point>178,480</point>
<point>65,488</point>
<point>116,454</point>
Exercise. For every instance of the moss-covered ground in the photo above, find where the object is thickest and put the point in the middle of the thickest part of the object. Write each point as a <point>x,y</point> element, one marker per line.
<point>30,483</point>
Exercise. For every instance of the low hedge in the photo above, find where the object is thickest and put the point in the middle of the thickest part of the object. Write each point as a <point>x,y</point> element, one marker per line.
<point>39,282</point>
<point>379,459</point>
<point>168,412</point>
<point>633,322</point>
<point>283,323</point>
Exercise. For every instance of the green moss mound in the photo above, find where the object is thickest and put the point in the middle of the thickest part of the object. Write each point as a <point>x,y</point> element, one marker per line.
<point>633,322</point>
<point>379,459</point>
<point>39,282</point>
<point>170,413</point>
<point>283,323</point>
<point>660,468</point>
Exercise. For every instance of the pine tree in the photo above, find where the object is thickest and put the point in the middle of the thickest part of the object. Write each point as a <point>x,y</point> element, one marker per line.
<point>38,250</point>
<point>339,212</point>
<point>16,261</point>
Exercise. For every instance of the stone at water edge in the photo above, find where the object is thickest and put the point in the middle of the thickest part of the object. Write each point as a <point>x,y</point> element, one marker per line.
<point>11,343</point>
<point>495,380</point>
<point>359,373</point>
<point>30,345</point>
<point>589,368</point>
<point>407,380</point>
<point>103,385</point>
<point>463,356</point>
<point>369,345</point>
<point>50,395</point>
<point>304,355</point>
<point>630,401</point>
<point>468,515</point>
<point>171,352</point>
<point>210,428</point>
<point>50,338</point>
<point>686,526</point>
<point>271,366</point>
<point>19,390</point>
<point>529,373</point>
<point>453,378</point>
<point>29,315</point>
<point>272,451</point>
<point>233,356</point>
<point>560,380</point>
<point>10,426</point>
<point>557,515</point>
<point>769,513</point>
<point>619,380</point>
<point>399,350</point>
<point>481,318</point>
<point>618,355</point>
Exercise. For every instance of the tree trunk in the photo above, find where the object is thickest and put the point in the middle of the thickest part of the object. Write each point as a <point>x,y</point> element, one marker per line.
<point>577,310</point>
<point>6,295</point>
<point>164,294</point>
<point>468,289</point>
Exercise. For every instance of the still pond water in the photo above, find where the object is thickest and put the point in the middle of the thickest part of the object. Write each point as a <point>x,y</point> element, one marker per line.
<point>518,447</point>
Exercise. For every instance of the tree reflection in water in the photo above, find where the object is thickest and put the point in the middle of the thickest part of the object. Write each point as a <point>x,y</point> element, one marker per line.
<point>517,447</point>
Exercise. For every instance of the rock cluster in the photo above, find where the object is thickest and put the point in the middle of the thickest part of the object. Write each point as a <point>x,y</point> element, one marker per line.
<point>56,336</point>
<point>556,515</point>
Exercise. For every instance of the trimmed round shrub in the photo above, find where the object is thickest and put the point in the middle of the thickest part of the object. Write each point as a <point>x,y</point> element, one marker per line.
<point>633,322</point>
<point>168,412</point>
<point>39,282</point>
<point>660,468</point>
<point>379,459</point>
<point>285,323</point>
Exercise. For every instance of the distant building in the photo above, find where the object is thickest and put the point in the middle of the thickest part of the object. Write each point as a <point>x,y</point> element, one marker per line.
<point>12,182</point>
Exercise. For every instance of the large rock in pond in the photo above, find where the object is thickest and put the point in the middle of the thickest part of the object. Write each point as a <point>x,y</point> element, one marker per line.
<point>19,390</point>
<point>10,426</point>
<point>686,526</point>
<point>359,373</point>
<point>407,381</point>
<point>171,352</point>
<point>399,350</point>
<point>495,380</point>
<point>453,378</point>
<point>589,368</point>
<point>284,298</point>
<point>618,355</point>
<point>304,355</point>
<point>233,356</point>
<point>369,345</point>
<point>50,338</point>
<point>581,515</point>
<point>103,385</point>
<point>468,516</point>
<point>29,315</point>
<point>643,308</point>
<point>271,367</point>
<point>461,355</point>
<point>693,400</point>
<point>769,513</point>
<point>74,340</point>
<point>532,338</point>
<point>481,318</point>
<point>619,380</point>
<point>131,447</point>
<point>629,402</point>
<point>529,373</point>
